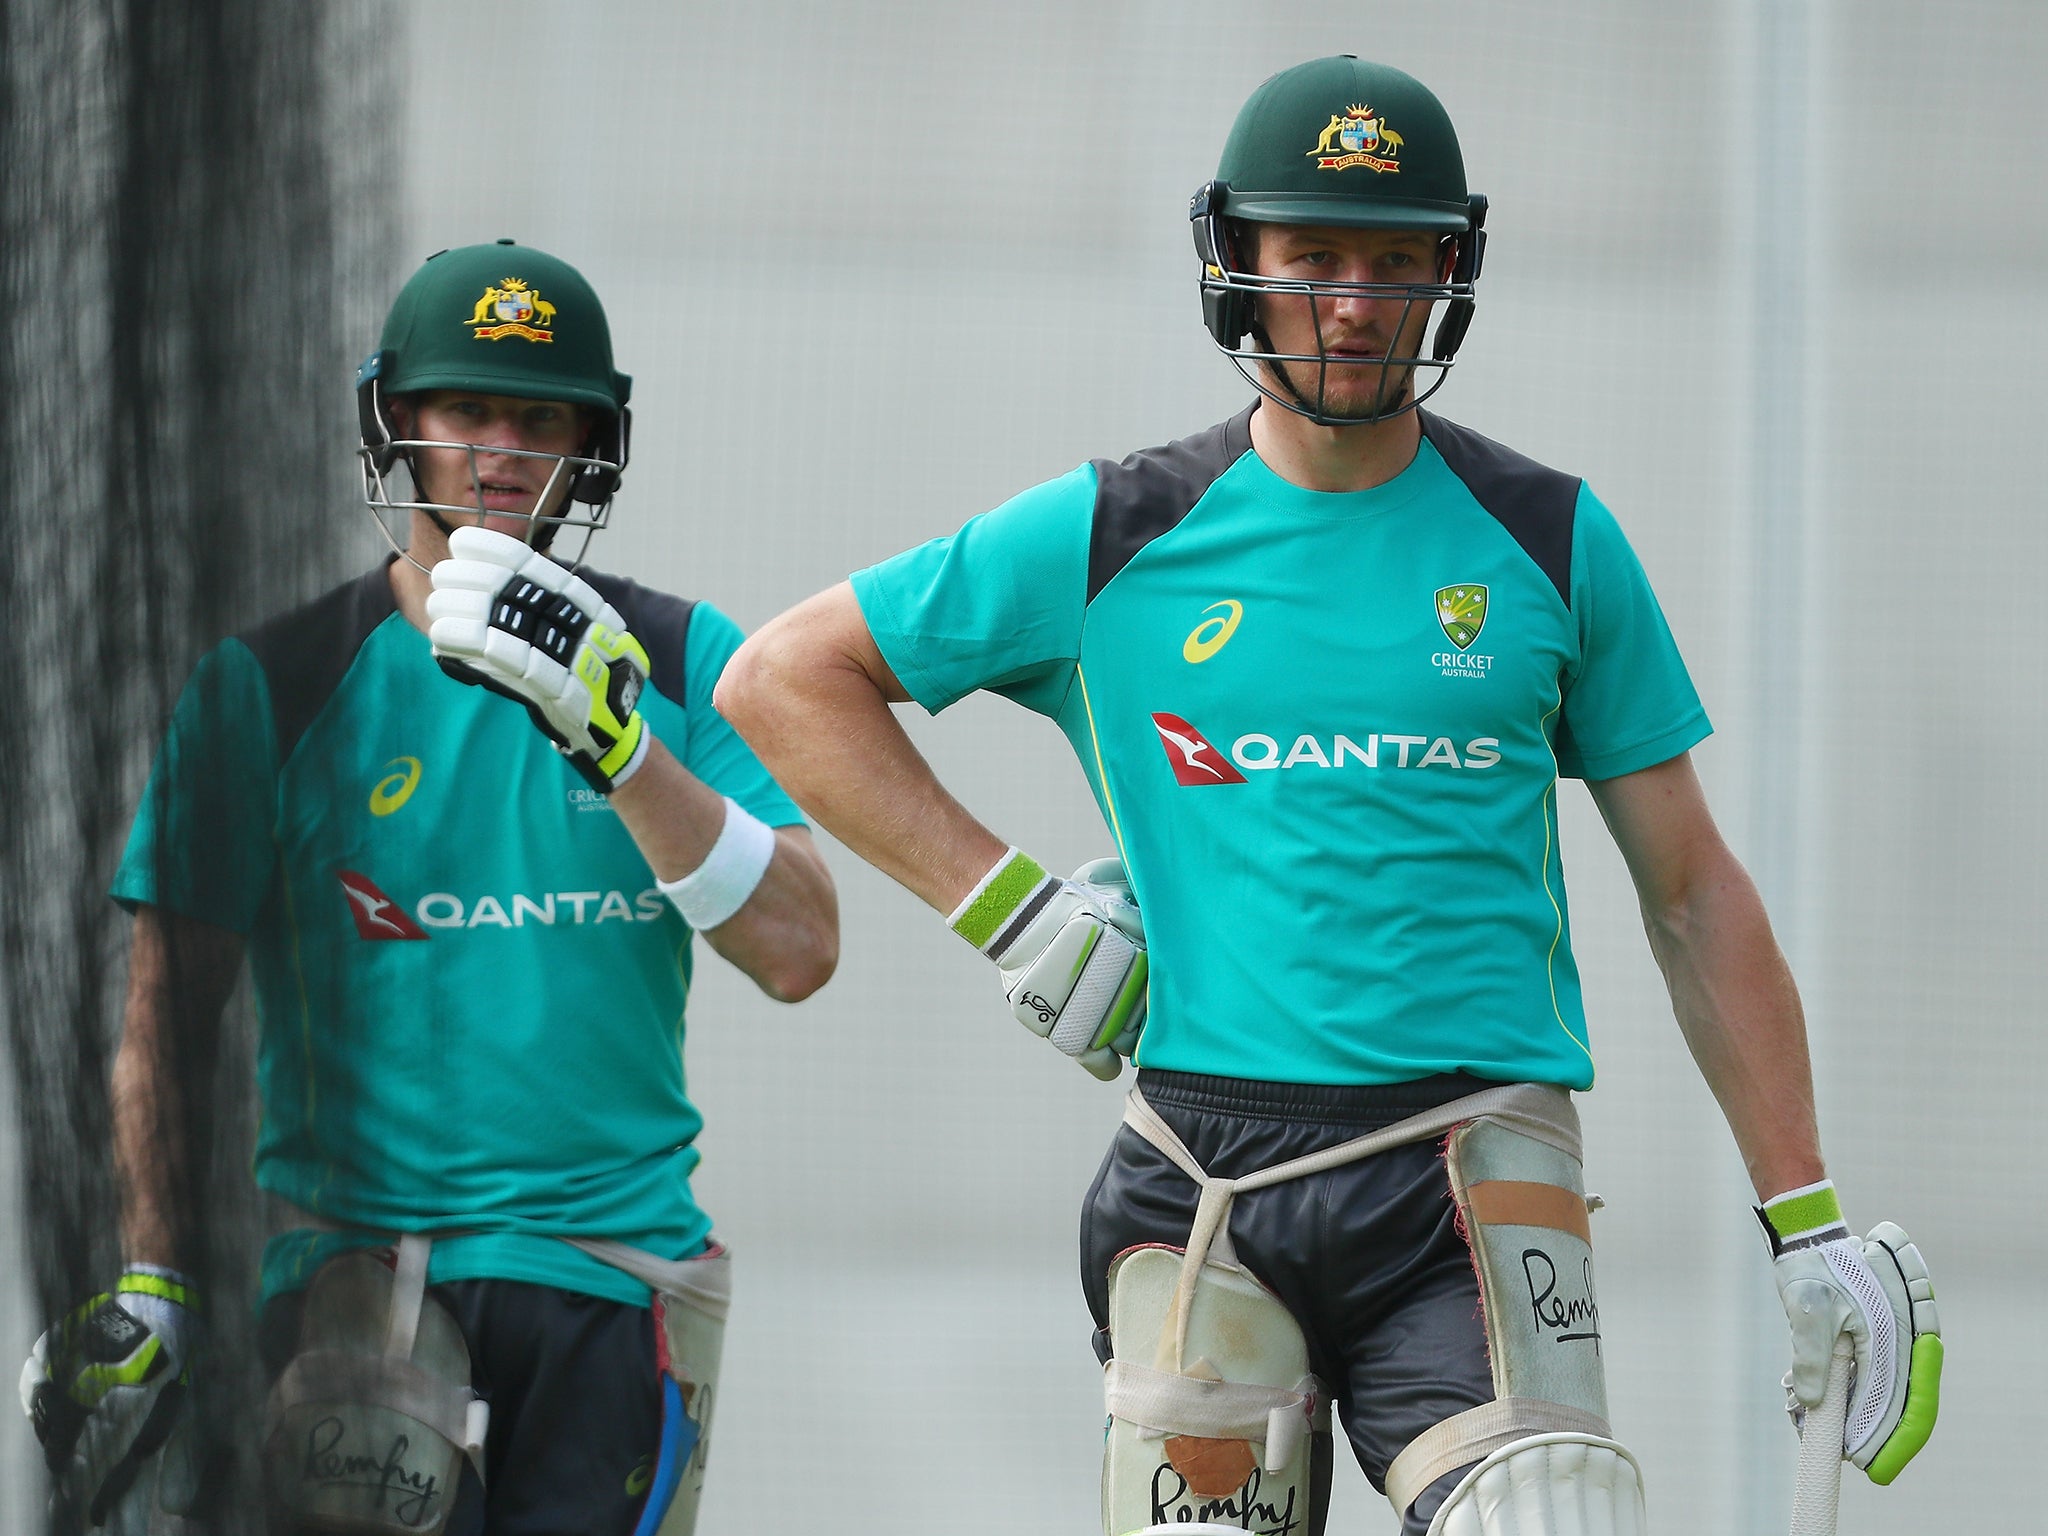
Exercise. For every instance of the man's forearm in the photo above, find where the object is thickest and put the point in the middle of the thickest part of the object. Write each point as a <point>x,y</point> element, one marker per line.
<point>180,973</point>
<point>1739,1010</point>
<point>786,934</point>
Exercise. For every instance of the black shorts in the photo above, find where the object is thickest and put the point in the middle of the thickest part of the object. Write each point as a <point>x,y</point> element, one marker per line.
<point>1368,1257</point>
<point>575,1391</point>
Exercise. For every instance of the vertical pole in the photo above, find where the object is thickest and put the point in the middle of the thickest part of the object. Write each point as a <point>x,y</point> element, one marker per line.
<point>1780,626</point>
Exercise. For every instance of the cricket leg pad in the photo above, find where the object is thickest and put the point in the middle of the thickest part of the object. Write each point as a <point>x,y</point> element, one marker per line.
<point>1548,1485</point>
<point>369,1423</point>
<point>1522,1207</point>
<point>1235,1432</point>
<point>690,1312</point>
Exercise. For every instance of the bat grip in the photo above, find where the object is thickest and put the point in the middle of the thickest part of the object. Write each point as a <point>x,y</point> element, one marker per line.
<point>1819,1489</point>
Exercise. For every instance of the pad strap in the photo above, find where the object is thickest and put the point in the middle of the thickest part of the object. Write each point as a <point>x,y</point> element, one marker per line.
<point>1165,1403</point>
<point>1476,1434</point>
<point>1534,1109</point>
<point>704,1283</point>
<point>1171,1404</point>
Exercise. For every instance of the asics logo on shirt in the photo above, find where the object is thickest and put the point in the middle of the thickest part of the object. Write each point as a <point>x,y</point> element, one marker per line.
<point>377,915</point>
<point>1193,759</point>
<point>1212,634</point>
<point>394,789</point>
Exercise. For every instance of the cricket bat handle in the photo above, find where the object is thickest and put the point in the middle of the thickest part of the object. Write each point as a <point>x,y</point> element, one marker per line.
<point>1819,1489</point>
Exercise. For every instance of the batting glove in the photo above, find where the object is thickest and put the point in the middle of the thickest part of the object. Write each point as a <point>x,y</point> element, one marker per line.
<point>105,1387</point>
<point>1875,1289</point>
<point>505,616</point>
<point>1071,952</point>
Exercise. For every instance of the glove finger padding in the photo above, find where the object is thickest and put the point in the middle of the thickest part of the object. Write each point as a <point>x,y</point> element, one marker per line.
<point>506,617</point>
<point>1914,1402</point>
<point>1071,953</point>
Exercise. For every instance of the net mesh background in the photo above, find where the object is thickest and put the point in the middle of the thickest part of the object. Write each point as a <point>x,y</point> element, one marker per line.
<point>1769,275</point>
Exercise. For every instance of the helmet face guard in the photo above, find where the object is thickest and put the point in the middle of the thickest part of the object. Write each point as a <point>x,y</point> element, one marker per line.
<point>500,319</point>
<point>579,487</point>
<point>1347,144</point>
<point>1299,381</point>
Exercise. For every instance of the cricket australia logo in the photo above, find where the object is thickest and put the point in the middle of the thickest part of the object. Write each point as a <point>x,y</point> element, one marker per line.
<point>1359,137</point>
<point>512,308</point>
<point>1461,610</point>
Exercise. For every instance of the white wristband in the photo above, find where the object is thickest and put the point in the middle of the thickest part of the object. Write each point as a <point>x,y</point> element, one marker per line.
<point>712,892</point>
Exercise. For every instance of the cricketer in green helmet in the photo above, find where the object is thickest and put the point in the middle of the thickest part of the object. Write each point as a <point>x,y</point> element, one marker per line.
<point>468,914</point>
<point>1325,665</point>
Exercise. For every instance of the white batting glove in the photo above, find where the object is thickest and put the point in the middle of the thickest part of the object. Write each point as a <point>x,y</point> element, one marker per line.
<point>505,616</point>
<point>106,1387</point>
<point>1876,1290</point>
<point>1071,952</point>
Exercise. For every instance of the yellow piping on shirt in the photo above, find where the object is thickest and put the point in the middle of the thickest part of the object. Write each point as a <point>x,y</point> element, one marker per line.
<point>291,915</point>
<point>1102,773</point>
<point>1549,838</point>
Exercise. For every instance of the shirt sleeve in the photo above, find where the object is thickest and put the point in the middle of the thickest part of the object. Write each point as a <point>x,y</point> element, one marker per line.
<point>715,752</point>
<point>203,843</point>
<point>997,605</point>
<point>1629,703</point>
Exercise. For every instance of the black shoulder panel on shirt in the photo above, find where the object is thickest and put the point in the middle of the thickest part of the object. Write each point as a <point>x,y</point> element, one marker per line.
<point>1151,491</point>
<point>305,653</point>
<point>658,621</point>
<point>1537,505</point>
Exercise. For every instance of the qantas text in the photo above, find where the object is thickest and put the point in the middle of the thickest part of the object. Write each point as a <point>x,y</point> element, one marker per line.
<point>1256,752</point>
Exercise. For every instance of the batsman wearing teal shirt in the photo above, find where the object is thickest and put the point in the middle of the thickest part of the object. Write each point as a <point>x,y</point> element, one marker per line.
<point>1326,666</point>
<point>465,818</point>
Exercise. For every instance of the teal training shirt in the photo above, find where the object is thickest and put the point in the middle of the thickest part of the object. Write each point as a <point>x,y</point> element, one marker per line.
<point>470,989</point>
<point>1325,731</point>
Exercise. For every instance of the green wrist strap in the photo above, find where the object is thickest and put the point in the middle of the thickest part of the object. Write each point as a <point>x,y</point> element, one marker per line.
<point>167,1287</point>
<point>993,907</point>
<point>1803,1218</point>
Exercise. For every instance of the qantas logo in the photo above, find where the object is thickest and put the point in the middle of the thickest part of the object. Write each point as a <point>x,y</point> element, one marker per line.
<point>1188,752</point>
<point>1195,760</point>
<point>377,915</point>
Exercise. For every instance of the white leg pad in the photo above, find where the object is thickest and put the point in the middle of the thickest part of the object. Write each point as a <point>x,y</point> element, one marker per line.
<point>1548,1485</point>
<point>371,1420</point>
<point>1226,1434</point>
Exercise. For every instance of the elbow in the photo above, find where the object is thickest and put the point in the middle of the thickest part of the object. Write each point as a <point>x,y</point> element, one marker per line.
<point>755,690</point>
<point>741,687</point>
<point>801,969</point>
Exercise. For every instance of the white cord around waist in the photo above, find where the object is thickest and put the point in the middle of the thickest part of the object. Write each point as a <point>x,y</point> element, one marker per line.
<point>1535,1109</point>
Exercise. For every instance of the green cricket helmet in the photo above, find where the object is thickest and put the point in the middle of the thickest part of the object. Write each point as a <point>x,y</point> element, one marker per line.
<point>1345,143</point>
<point>501,319</point>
